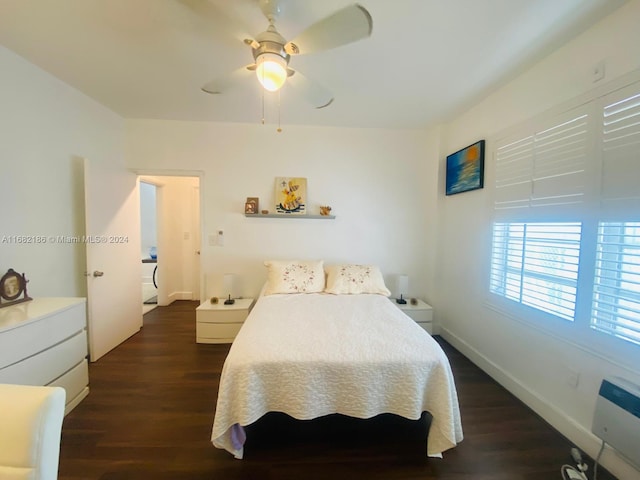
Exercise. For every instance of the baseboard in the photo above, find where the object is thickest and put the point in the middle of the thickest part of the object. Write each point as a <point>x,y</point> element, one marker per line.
<point>567,426</point>
<point>74,402</point>
<point>180,296</point>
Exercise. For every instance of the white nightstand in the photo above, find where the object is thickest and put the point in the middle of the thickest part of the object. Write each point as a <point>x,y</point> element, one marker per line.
<point>422,313</point>
<point>220,323</point>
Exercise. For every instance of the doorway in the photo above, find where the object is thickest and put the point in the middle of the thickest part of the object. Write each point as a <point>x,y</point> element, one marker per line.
<point>170,226</point>
<point>149,245</point>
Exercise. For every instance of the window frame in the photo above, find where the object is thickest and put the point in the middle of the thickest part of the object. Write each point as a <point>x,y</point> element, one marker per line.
<point>579,333</point>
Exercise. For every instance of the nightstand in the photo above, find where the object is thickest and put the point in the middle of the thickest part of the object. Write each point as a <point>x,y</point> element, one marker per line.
<point>422,313</point>
<point>220,323</point>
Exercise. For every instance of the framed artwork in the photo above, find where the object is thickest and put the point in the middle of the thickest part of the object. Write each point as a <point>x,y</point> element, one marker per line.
<point>251,205</point>
<point>465,169</point>
<point>291,195</point>
<point>12,286</point>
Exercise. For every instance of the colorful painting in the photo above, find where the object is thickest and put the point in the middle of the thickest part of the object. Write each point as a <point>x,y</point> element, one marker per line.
<point>291,195</point>
<point>465,169</point>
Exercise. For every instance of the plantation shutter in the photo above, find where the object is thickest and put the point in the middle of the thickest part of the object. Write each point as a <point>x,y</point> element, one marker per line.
<point>536,264</point>
<point>566,237</point>
<point>621,151</point>
<point>514,173</point>
<point>544,167</point>
<point>616,292</point>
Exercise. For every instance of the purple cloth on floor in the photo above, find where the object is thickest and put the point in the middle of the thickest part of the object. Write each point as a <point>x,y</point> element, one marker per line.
<point>238,436</point>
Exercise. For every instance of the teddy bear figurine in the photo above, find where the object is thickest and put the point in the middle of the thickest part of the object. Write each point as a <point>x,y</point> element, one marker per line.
<point>325,210</point>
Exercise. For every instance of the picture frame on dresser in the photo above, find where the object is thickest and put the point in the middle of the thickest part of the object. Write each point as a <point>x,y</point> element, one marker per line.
<point>251,205</point>
<point>13,285</point>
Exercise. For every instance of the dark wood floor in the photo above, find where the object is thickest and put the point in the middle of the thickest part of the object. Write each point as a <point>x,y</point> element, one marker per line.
<point>150,411</point>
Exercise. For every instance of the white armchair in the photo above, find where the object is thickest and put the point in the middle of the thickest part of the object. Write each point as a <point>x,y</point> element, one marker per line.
<point>30,429</point>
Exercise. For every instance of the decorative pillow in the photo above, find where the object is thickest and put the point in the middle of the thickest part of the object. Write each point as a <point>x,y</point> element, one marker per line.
<point>294,276</point>
<point>354,279</point>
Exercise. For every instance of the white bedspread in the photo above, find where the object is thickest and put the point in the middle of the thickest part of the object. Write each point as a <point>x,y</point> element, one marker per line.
<point>310,355</point>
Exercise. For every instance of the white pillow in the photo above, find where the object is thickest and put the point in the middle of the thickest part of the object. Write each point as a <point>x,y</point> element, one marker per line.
<point>294,276</point>
<point>355,279</point>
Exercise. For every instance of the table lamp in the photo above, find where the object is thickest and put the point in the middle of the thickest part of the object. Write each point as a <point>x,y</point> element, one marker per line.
<point>227,284</point>
<point>402,286</point>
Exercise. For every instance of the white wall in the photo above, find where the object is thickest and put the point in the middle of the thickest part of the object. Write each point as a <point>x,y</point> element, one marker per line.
<point>533,364</point>
<point>46,127</point>
<point>381,185</point>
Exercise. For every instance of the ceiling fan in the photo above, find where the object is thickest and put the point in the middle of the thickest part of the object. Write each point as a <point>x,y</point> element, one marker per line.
<point>271,52</point>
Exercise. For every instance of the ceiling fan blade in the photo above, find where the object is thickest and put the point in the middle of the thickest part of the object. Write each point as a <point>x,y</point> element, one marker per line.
<point>226,82</point>
<point>345,26</point>
<point>312,92</point>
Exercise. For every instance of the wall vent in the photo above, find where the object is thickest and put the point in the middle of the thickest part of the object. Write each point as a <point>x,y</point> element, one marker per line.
<point>617,417</point>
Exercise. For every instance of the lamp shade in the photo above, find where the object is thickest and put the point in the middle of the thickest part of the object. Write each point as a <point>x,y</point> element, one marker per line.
<point>228,284</point>
<point>402,285</point>
<point>271,70</point>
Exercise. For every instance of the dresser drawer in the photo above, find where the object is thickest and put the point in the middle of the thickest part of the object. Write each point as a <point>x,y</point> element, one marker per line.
<point>75,383</point>
<point>34,337</point>
<point>221,316</point>
<point>420,316</point>
<point>220,331</point>
<point>45,367</point>
<point>427,326</point>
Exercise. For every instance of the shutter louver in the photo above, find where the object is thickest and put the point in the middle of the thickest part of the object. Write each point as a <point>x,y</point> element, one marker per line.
<point>621,151</point>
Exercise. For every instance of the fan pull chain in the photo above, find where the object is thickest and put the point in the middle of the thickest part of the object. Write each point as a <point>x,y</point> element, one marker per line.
<point>262,106</point>
<point>279,130</point>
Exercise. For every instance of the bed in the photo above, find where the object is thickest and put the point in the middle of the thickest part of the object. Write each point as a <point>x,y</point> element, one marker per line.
<point>310,353</point>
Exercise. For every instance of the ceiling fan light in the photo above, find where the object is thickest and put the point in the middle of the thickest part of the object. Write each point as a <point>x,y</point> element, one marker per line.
<point>271,70</point>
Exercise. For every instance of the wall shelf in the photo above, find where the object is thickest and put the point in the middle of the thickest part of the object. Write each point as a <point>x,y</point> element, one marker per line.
<point>284,215</point>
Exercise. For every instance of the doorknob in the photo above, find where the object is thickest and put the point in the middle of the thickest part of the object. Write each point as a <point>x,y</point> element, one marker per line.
<point>98,273</point>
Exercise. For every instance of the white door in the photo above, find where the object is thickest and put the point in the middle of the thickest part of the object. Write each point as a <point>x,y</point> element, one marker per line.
<point>195,222</point>
<point>112,216</point>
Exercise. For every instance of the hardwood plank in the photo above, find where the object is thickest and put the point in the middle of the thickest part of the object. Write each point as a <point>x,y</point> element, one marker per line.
<point>150,411</point>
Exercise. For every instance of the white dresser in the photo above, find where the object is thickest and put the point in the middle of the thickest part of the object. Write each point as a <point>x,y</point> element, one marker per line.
<point>421,313</point>
<point>220,323</point>
<point>44,342</point>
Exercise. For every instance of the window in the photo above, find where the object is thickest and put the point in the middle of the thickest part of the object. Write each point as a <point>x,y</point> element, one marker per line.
<point>566,208</point>
<point>536,264</point>
<point>616,290</point>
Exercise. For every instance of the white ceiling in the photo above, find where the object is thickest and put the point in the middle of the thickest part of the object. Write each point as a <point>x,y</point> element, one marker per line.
<point>425,61</point>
